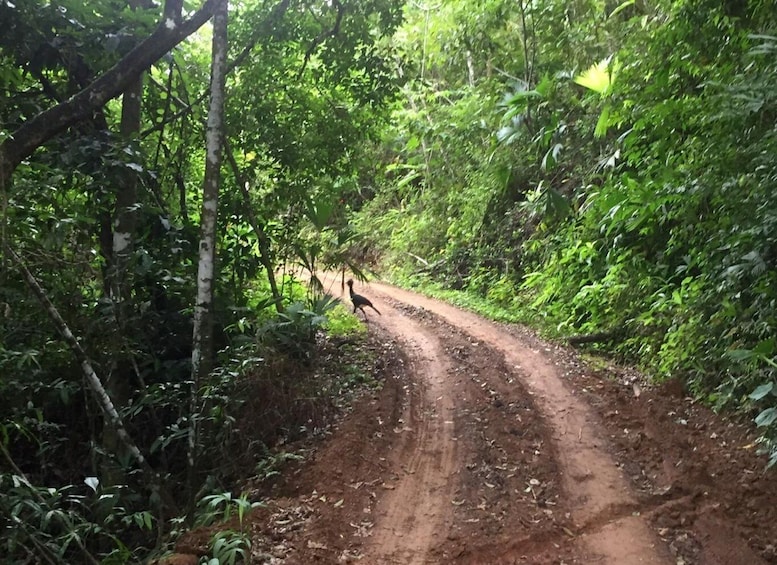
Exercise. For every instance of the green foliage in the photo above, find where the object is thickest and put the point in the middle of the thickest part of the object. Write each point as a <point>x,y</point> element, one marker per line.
<point>599,77</point>
<point>228,548</point>
<point>294,330</point>
<point>753,367</point>
<point>271,464</point>
<point>503,312</point>
<point>306,99</point>
<point>458,150</point>
<point>632,195</point>
<point>340,322</point>
<point>223,507</point>
<point>64,524</point>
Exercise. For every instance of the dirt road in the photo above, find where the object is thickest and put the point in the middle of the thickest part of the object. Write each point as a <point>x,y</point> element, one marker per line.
<point>486,445</point>
<point>597,495</point>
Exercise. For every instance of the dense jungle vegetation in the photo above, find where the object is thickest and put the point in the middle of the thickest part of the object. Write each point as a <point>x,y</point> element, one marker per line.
<point>597,169</point>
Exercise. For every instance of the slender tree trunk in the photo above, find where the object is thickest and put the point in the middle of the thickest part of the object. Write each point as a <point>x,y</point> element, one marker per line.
<point>118,283</point>
<point>265,254</point>
<point>119,275</point>
<point>470,69</point>
<point>125,214</point>
<point>202,339</point>
<point>527,36</point>
<point>112,417</point>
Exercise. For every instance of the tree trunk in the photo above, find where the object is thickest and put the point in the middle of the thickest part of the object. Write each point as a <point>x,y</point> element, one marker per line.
<point>112,416</point>
<point>202,338</point>
<point>125,213</point>
<point>119,278</point>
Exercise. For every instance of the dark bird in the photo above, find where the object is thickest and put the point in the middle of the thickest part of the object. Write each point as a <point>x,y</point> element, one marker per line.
<point>360,301</point>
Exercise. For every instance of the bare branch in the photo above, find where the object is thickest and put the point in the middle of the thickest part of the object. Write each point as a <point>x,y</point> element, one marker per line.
<point>112,416</point>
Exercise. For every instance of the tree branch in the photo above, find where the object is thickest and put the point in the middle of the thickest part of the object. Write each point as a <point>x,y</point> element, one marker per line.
<point>323,35</point>
<point>263,31</point>
<point>103,399</point>
<point>265,256</point>
<point>36,131</point>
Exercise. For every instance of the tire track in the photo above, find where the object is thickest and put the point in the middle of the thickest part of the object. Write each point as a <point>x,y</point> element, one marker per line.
<point>594,485</point>
<point>415,511</point>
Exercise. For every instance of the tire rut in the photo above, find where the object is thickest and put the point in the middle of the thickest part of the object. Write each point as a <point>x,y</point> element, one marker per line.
<point>593,483</point>
<point>476,451</point>
<point>416,506</point>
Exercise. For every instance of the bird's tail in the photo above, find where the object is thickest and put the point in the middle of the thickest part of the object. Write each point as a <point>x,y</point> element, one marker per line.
<point>378,311</point>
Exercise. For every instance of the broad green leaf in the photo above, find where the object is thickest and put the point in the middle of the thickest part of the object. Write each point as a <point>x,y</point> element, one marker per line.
<point>522,95</point>
<point>408,178</point>
<point>551,156</point>
<point>765,347</point>
<point>761,391</point>
<point>740,354</point>
<point>766,418</point>
<point>600,76</point>
<point>545,86</point>
<point>603,123</point>
<point>620,8</point>
<point>557,205</point>
<point>319,211</point>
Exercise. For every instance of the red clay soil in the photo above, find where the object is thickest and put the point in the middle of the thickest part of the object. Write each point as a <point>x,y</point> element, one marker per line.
<point>486,445</point>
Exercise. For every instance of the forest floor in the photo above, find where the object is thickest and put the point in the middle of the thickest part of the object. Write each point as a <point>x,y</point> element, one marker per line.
<point>487,445</point>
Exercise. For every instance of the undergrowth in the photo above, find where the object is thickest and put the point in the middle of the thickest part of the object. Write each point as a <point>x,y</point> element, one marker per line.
<point>621,187</point>
<point>286,403</point>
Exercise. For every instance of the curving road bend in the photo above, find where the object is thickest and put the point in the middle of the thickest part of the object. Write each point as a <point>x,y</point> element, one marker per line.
<point>415,511</point>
